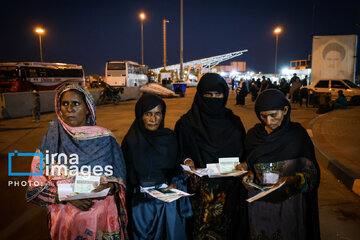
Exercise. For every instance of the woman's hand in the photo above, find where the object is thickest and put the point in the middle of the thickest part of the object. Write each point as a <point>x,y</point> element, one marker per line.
<point>190,163</point>
<point>101,187</point>
<point>248,178</point>
<point>173,185</point>
<point>242,167</point>
<point>290,187</point>
<point>82,204</point>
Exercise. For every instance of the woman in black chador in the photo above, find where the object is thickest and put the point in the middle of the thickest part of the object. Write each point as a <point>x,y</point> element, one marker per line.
<point>280,151</point>
<point>205,133</point>
<point>152,159</point>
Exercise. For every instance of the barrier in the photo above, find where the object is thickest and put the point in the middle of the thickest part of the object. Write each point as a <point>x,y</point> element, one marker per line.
<point>15,105</point>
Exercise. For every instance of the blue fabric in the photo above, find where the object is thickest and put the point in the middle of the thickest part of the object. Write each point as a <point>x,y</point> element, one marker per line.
<point>155,219</point>
<point>100,151</point>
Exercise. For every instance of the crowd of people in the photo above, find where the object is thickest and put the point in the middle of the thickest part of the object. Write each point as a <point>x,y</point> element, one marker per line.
<point>292,89</point>
<point>276,151</point>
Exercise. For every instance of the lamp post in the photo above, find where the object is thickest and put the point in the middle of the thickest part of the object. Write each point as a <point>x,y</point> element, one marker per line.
<point>164,40</point>
<point>181,41</point>
<point>142,17</point>
<point>40,32</point>
<point>276,31</point>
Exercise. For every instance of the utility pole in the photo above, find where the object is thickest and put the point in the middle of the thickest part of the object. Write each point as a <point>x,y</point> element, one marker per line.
<point>164,39</point>
<point>181,40</point>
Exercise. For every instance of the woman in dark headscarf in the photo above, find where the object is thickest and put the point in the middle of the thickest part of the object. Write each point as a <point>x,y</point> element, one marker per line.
<point>207,132</point>
<point>280,151</point>
<point>152,159</point>
<point>74,131</point>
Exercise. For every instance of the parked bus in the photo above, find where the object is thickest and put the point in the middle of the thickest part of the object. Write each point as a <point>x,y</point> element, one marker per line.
<point>25,76</point>
<point>125,74</point>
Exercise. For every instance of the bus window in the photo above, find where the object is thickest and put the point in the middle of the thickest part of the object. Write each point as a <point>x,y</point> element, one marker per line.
<point>8,74</point>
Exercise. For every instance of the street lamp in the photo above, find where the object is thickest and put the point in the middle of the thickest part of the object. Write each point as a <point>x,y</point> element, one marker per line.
<point>40,32</point>
<point>142,17</point>
<point>276,31</point>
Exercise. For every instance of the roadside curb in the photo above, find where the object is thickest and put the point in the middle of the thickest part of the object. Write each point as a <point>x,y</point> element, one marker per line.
<point>345,175</point>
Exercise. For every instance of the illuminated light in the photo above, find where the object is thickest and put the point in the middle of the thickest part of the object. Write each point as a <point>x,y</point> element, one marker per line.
<point>39,30</point>
<point>277,30</point>
<point>142,16</point>
<point>285,71</point>
<point>222,74</point>
<point>233,72</point>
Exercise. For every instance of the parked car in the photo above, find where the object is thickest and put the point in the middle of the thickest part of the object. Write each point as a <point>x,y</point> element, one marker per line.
<point>332,86</point>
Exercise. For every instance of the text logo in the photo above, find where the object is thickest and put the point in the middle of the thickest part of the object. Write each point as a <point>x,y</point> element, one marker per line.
<point>16,153</point>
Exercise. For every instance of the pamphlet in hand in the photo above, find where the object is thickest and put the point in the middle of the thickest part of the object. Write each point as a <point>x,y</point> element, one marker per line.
<point>264,191</point>
<point>214,171</point>
<point>81,189</point>
<point>168,195</point>
<point>200,171</point>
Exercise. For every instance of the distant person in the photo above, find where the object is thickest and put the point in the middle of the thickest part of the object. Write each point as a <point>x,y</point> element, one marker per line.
<point>295,90</point>
<point>341,102</point>
<point>333,55</point>
<point>36,109</point>
<point>241,93</point>
<point>293,79</point>
<point>233,83</point>
<point>264,84</point>
<point>254,91</point>
<point>258,83</point>
<point>304,94</point>
<point>304,82</point>
<point>284,86</point>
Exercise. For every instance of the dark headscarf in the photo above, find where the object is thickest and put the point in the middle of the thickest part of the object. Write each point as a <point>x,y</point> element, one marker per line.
<point>151,156</point>
<point>289,141</point>
<point>209,130</point>
<point>270,100</point>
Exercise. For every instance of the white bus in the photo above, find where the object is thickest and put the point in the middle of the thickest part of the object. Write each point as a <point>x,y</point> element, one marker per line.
<point>25,76</point>
<point>125,74</point>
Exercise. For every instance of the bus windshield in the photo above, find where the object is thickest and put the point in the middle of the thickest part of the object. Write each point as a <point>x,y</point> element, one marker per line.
<point>9,74</point>
<point>116,66</point>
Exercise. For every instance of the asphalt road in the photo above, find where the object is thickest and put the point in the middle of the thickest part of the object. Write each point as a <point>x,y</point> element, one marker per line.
<point>339,207</point>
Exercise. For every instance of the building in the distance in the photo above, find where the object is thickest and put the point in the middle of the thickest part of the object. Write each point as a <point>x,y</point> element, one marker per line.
<point>233,67</point>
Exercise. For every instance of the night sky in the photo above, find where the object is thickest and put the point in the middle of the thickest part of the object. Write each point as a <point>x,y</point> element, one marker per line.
<point>91,32</point>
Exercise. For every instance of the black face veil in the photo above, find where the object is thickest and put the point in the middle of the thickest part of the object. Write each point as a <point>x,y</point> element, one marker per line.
<point>210,130</point>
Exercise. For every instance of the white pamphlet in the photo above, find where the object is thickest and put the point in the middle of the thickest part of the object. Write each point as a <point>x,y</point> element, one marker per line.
<point>66,193</point>
<point>214,171</point>
<point>264,192</point>
<point>86,183</point>
<point>228,164</point>
<point>200,171</point>
<point>165,195</point>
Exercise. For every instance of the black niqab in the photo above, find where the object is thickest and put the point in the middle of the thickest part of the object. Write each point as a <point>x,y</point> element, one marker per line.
<point>151,156</point>
<point>209,130</point>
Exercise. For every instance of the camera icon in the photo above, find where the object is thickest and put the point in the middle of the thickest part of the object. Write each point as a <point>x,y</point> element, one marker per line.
<point>16,153</point>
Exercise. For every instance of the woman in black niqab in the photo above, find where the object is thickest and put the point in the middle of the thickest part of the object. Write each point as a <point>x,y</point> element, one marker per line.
<point>205,133</point>
<point>290,212</point>
<point>152,159</point>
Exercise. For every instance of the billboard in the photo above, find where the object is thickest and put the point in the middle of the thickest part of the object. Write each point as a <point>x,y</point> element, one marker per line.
<point>333,57</point>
